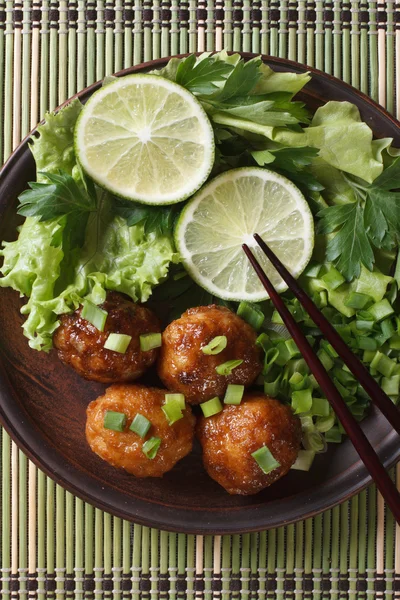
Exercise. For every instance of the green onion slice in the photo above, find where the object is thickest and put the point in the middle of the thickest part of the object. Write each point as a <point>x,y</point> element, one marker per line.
<point>94,314</point>
<point>211,407</point>
<point>314,440</point>
<point>304,460</point>
<point>324,424</point>
<point>180,398</point>
<point>357,300</point>
<point>252,314</point>
<point>216,345</point>
<point>140,425</point>
<point>333,435</point>
<point>381,310</point>
<point>149,341</point>
<point>118,342</point>
<point>227,367</point>
<point>265,460</point>
<point>320,407</point>
<point>234,394</point>
<point>172,410</point>
<point>302,401</point>
<point>114,420</point>
<point>150,448</point>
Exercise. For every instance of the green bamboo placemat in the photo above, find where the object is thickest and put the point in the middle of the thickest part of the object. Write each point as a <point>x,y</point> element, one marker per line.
<point>53,545</point>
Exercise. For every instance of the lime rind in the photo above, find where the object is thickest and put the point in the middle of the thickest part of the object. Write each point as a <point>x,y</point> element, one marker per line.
<point>225,213</point>
<point>146,139</point>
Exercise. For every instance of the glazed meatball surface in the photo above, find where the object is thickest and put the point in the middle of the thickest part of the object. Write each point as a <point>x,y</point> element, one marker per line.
<point>229,438</point>
<point>123,449</point>
<point>183,367</point>
<point>81,345</point>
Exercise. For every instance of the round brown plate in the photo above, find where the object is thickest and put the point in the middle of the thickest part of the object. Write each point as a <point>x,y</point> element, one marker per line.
<point>42,402</point>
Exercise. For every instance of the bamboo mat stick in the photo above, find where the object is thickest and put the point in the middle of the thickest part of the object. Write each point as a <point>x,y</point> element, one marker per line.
<point>199,566</point>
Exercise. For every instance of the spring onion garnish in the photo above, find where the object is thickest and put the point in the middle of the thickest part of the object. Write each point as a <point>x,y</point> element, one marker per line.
<point>150,448</point>
<point>234,394</point>
<point>140,425</point>
<point>227,367</point>
<point>149,341</point>
<point>307,423</point>
<point>94,314</point>
<point>304,460</point>
<point>180,398</point>
<point>314,440</point>
<point>114,420</point>
<point>320,407</point>
<point>333,279</point>
<point>216,345</point>
<point>380,310</point>
<point>173,412</point>
<point>324,424</point>
<point>358,301</point>
<point>391,385</point>
<point>270,357</point>
<point>265,460</point>
<point>383,364</point>
<point>211,407</point>
<point>118,342</point>
<point>302,401</point>
<point>251,314</point>
<point>333,435</point>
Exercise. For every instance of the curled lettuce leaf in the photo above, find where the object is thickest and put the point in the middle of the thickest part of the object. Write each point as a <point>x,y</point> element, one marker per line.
<point>54,276</point>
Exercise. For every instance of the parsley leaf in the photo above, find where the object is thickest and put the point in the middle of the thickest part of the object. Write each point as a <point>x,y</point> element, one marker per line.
<point>382,208</point>
<point>350,247</point>
<point>241,81</point>
<point>60,195</point>
<point>199,77</point>
<point>154,218</point>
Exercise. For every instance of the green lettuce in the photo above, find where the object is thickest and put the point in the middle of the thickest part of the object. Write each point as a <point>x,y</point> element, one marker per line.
<point>54,274</point>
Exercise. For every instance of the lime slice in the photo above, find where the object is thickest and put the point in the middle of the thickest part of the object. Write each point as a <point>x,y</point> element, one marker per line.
<point>226,213</point>
<point>145,138</point>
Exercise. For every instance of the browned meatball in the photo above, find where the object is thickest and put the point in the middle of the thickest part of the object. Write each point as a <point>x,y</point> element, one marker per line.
<point>123,449</point>
<point>183,367</point>
<point>81,345</point>
<point>230,437</point>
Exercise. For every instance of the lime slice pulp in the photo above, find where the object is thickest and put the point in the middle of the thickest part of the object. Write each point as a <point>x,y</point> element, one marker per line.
<point>145,138</point>
<point>226,213</point>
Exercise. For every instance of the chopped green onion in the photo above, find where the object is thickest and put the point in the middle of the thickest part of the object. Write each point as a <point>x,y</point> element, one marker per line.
<point>320,407</point>
<point>333,435</point>
<point>333,279</point>
<point>211,407</point>
<point>314,440</point>
<point>140,425</point>
<point>391,385</point>
<point>264,341</point>
<point>272,388</point>
<point>180,398</point>
<point>326,360</point>
<point>94,314</point>
<point>387,328</point>
<point>252,314</point>
<point>227,367</point>
<point>329,349</point>
<point>118,342</point>
<point>149,341</point>
<point>270,357</point>
<point>304,460</point>
<point>357,300</point>
<point>307,423</point>
<point>173,412</point>
<point>381,310</point>
<point>383,364</point>
<point>234,394</point>
<point>312,270</point>
<point>299,382</point>
<point>216,345</point>
<point>284,354</point>
<point>293,350</point>
<point>324,424</point>
<point>302,401</point>
<point>114,420</point>
<point>150,448</point>
<point>368,356</point>
<point>276,318</point>
<point>265,460</point>
<point>367,343</point>
<point>394,342</point>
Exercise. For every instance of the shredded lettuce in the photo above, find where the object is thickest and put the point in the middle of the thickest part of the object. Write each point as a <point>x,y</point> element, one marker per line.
<point>55,277</point>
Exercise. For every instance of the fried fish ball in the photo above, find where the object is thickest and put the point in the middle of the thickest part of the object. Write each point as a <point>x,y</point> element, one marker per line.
<point>229,438</point>
<point>184,367</point>
<point>81,345</point>
<point>123,449</point>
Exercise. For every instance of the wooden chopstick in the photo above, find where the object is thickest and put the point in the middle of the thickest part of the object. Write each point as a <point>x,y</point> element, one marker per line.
<point>356,367</point>
<point>352,428</point>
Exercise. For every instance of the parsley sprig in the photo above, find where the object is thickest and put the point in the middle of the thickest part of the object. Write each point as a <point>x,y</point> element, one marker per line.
<point>372,221</point>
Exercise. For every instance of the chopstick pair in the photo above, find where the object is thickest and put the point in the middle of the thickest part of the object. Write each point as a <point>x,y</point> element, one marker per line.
<point>378,396</point>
